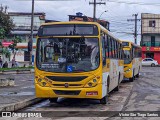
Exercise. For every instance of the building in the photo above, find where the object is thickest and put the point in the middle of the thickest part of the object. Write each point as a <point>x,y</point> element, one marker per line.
<point>80,17</point>
<point>22,29</point>
<point>150,36</point>
<point>22,23</point>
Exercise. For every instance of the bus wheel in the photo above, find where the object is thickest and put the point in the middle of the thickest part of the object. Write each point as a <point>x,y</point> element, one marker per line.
<point>104,100</point>
<point>132,78</point>
<point>117,88</point>
<point>138,73</point>
<point>52,100</point>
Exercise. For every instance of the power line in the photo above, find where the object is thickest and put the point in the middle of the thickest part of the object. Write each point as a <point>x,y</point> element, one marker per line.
<point>94,8</point>
<point>134,3</point>
<point>135,32</point>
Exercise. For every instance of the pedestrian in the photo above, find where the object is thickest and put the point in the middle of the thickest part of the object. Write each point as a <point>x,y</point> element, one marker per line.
<point>5,65</point>
<point>13,62</point>
<point>0,62</point>
<point>16,64</point>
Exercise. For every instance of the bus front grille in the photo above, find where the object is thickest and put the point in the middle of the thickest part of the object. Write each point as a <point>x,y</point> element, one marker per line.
<point>66,92</point>
<point>70,85</point>
<point>66,79</point>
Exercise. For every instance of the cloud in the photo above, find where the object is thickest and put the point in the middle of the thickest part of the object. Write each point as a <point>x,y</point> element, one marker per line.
<point>117,14</point>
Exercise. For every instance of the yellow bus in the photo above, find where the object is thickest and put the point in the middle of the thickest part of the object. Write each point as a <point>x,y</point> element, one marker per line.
<point>132,60</point>
<point>77,60</point>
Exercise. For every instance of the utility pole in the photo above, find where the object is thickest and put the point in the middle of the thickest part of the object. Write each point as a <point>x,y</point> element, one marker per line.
<point>94,8</point>
<point>135,30</point>
<point>5,9</point>
<point>31,38</point>
<point>1,8</point>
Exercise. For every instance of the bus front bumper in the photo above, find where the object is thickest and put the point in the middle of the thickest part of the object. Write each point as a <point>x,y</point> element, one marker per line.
<point>50,92</point>
<point>128,74</point>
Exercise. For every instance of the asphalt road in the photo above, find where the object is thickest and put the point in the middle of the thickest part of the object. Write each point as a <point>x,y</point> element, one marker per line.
<point>141,95</point>
<point>145,95</point>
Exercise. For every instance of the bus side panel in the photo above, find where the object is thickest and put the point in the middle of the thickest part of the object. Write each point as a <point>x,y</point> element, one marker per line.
<point>104,84</point>
<point>121,70</point>
<point>114,73</point>
<point>137,65</point>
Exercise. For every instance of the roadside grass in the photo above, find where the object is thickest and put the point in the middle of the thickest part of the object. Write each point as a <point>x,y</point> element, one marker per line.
<point>16,68</point>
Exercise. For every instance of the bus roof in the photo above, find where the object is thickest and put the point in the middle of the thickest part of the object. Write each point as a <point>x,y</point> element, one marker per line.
<point>70,22</point>
<point>82,22</point>
<point>131,43</point>
<point>109,33</point>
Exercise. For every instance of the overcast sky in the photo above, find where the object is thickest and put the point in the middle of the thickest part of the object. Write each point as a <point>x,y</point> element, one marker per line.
<point>118,11</point>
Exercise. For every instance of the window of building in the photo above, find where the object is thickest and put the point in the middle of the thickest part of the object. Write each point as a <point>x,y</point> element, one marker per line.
<point>152,23</point>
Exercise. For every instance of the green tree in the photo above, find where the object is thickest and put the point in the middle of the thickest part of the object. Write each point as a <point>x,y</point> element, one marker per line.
<point>6,25</point>
<point>2,33</point>
<point>13,46</point>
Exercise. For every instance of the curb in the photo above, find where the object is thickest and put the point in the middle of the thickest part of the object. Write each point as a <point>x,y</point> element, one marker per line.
<point>20,105</point>
<point>16,72</point>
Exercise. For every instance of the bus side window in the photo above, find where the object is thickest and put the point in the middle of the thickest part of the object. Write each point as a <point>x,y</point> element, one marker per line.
<point>113,48</point>
<point>103,50</point>
<point>110,46</point>
<point>116,50</point>
<point>107,46</point>
<point>120,51</point>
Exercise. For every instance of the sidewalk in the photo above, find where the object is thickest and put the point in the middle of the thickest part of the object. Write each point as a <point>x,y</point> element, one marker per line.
<point>20,95</point>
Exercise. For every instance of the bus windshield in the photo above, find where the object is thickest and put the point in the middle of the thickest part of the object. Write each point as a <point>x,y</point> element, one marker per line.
<point>68,54</point>
<point>68,29</point>
<point>127,57</point>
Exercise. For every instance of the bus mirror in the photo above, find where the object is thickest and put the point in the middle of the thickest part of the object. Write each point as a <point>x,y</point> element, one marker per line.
<point>104,61</point>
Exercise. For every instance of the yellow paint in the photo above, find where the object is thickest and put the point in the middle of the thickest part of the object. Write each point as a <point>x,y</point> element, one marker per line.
<point>128,68</point>
<point>48,92</point>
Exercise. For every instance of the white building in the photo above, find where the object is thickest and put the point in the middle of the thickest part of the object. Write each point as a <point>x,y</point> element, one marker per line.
<point>22,23</point>
<point>150,29</point>
<point>150,34</point>
<point>22,29</point>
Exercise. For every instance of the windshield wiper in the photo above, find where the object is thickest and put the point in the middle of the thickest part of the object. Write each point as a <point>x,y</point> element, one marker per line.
<point>79,70</point>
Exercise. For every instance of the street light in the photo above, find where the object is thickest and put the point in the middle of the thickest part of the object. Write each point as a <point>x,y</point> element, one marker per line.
<point>102,14</point>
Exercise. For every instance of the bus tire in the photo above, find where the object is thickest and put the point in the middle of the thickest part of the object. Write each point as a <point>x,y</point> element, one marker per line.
<point>104,100</point>
<point>117,88</point>
<point>132,78</point>
<point>53,100</point>
<point>137,76</point>
<point>138,73</point>
<point>108,82</point>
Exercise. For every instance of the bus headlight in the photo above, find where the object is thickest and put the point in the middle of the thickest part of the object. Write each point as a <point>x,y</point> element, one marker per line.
<point>94,80</point>
<point>91,83</point>
<point>39,80</point>
<point>42,82</point>
<point>128,70</point>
